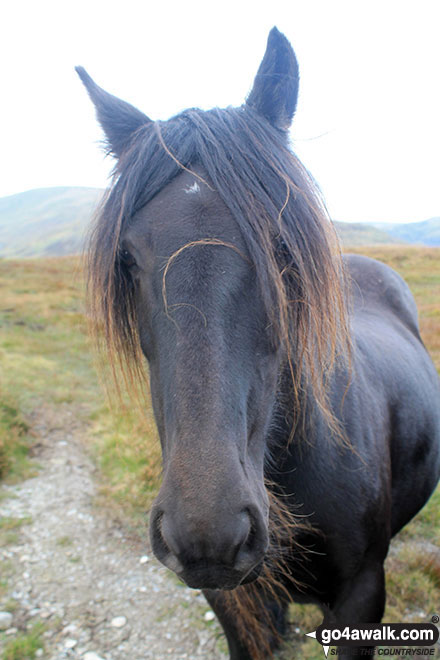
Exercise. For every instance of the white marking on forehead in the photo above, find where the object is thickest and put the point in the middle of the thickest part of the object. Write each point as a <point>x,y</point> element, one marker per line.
<point>195,188</point>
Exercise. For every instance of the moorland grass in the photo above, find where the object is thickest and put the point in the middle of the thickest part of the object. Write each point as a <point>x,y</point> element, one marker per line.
<point>26,644</point>
<point>14,462</point>
<point>47,360</point>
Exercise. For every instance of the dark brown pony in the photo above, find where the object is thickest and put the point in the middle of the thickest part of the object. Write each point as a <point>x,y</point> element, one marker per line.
<point>297,407</point>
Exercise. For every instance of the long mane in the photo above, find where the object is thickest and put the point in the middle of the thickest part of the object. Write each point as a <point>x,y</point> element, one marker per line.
<point>282,218</point>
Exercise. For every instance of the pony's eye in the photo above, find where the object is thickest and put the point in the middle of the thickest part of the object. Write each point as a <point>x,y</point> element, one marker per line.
<point>127,258</point>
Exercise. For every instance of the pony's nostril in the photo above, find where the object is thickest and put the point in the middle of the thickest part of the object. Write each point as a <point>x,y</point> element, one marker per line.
<point>156,526</point>
<point>256,542</point>
<point>238,539</point>
<point>250,541</point>
<point>160,546</point>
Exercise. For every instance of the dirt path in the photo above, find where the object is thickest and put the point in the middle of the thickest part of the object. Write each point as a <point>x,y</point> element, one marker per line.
<point>70,566</point>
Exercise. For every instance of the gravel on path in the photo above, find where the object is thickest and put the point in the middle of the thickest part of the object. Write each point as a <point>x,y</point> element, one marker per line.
<point>98,592</point>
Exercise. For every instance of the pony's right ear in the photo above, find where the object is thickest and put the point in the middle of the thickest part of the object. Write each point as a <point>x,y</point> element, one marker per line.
<point>118,119</point>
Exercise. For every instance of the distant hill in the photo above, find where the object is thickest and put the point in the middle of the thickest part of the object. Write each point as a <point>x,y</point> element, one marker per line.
<point>426,232</point>
<point>46,221</point>
<point>54,221</point>
<point>357,233</point>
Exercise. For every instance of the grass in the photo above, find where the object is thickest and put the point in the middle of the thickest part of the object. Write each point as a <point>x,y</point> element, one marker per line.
<point>43,341</point>
<point>47,360</point>
<point>14,443</point>
<point>25,645</point>
<point>8,523</point>
<point>132,469</point>
<point>9,527</point>
<point>64,541</point>
<point>42,350</point>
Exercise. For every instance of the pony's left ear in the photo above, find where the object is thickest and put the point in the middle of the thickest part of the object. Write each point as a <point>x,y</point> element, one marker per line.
<point>118,119</point>
<point>275,91</point>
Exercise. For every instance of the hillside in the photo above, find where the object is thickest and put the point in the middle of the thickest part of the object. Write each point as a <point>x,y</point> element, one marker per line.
<point>426,232</point>
<point>54,222</point>
<point>358,234</point>
<point>46,221</point>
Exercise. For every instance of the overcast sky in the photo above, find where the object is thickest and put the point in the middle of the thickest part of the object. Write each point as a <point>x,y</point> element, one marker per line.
<point>368,120</point>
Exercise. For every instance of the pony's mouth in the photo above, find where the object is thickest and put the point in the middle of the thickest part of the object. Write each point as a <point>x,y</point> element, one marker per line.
<point>218,576</point>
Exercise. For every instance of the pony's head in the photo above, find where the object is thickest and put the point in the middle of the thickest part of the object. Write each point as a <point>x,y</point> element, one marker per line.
<point>213,256</point>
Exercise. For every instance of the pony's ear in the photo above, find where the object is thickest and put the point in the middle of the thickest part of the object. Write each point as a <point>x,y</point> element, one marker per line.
<point>275,91</point>
<point>118,119</point>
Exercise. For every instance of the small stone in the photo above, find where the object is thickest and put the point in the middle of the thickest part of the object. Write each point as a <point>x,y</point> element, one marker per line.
<point>69,628</point>
<point>70,643</point>
<point>203,639</point>
<point>118,622</point>
<point>5,620</point>
<point>91,655</point>
<point>209,616</point>
<point>11,631</point>
<point>26,575</point>
<point>39,653</point>
<point>144,559</point>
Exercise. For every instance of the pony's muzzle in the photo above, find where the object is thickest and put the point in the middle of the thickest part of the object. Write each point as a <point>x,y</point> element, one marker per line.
<point>213,554</point>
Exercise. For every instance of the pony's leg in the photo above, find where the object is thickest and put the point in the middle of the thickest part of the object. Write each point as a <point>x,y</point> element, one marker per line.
<point>272,611</point>
<point>362,600</point>
<point>219,603</point>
